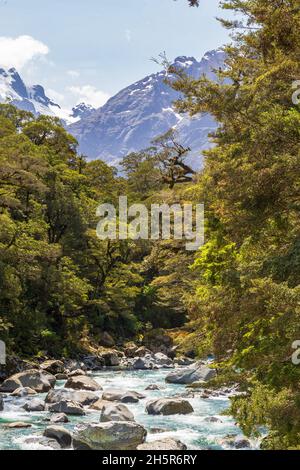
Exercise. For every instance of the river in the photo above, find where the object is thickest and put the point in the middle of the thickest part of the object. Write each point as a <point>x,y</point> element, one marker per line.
<point>192,429</point>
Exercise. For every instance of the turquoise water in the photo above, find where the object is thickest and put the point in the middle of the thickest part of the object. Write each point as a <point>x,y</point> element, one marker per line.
<point>191,429</point>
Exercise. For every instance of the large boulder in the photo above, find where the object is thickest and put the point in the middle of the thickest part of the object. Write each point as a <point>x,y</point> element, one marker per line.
<point>68,407</point>
<point>163,360</point>
<point>130,350</point>
<point>236,442</point>
<point>163,444</point>
<point>195,373</point>
<point>83,398</point>
<point>36,380</point>
<point>144,363</point>
<point>169,406</point>
<point>34,405</point>
<point>61,376</point>
<point>82,382</point>
<point>99,404</point>
<point>59,418</point>
<point>72,365</point>
<point>53,366</point>
<point>93,362</point>
<point>60,434</point>
<point>41,441</point>
<point>111,358</point>
<point>1,404</point>
<point>115,412</point>
<point>122,396</point>
<point>109,436</point>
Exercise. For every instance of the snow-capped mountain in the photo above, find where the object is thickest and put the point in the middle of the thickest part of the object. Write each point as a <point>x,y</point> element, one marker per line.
<point>131,119</point>
<point>28,98</point>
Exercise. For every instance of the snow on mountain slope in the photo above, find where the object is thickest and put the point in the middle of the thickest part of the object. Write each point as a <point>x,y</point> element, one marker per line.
<point>131,119</point>
<point>33,99</point>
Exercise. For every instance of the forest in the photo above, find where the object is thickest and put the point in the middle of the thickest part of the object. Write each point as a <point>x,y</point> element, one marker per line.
<point>237,297</point>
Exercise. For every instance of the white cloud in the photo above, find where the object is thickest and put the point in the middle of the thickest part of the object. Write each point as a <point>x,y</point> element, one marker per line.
<point>89,95</point>
<point>17,52</point>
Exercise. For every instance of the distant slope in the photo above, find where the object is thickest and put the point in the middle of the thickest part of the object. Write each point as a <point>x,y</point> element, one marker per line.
<point>137,114</point>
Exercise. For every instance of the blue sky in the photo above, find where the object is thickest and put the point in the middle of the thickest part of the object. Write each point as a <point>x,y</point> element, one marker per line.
<point>97,47</point>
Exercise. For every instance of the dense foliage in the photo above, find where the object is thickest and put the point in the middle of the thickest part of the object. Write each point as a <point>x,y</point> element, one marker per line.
<point>61,287</point>
<point>248,294</point>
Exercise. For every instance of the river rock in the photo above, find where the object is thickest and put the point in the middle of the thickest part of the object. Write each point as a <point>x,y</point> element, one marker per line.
<point>34,405</point>
<point>53,367</point>
<point>111,358</point>
<point>59,418</point>
<point>236,442</point>
<point>23,392</point>
<point>183,361</point>
<point>61,376</point>
<point>72,365</point>
<point>162,359</point>
<point>142,351</point>
<point>163,444</point>
<point>18,425</point>
<point>144,363</point>
<point>152,387</point>
<point>169,406</point>
<point>42,441</point>
<point>109,436</point>
<point>83,382</point>
<point>122,396</point>
<point>99,404</point>
<point>94,362</point>
<point>194,373</point>
<point>81,397</point>
<point>76,372</point>
<point>115,412</point>
<point>68,407</point>
<point>1,404</point>
<point>60,434</point>
<point>212,419</point>
<point>130,350</point>
<point>34,379</point>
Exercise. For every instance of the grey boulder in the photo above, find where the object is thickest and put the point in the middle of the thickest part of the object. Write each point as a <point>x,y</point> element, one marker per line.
<point>115,412</point>
<point>81,397</point>
<point>34,405</point>
<point>53,366</point>
<point>68,407</point>
<point>59,418</point>
<point>60,434</point>
<point>82,382</point>
<point>109,436</point>
<point>122,396</point>
<point>188,375</point>
<point>169,406</point>
<point>36,380</point>
<point>163,444</point>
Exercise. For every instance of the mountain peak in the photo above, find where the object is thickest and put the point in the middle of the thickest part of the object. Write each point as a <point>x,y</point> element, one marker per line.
<point>131,119</point>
